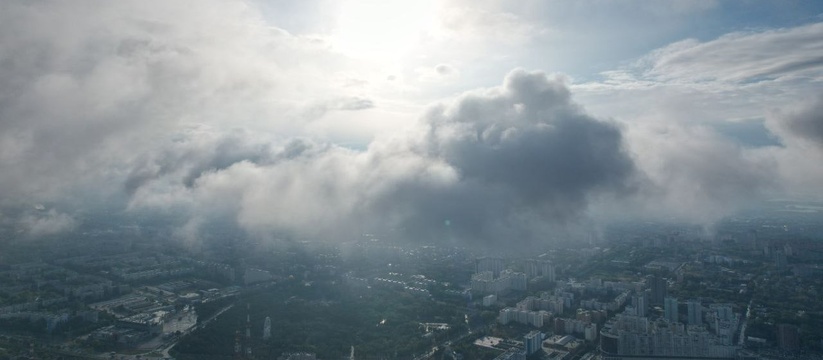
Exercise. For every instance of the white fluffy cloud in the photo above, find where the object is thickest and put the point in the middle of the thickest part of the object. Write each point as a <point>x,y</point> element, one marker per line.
<point>88,85</point>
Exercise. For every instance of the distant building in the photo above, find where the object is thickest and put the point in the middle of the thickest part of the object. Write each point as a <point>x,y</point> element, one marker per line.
<point>694,312</point>
<point>723,311</point>
<point>787,337</point>
<point>670,309</point>
<point>514,353</point>
<point>533,342</point>
<point>517,280</point>
<point>657,286</point>
<point>489,300</point>
<point>753,239</point>
<point>590,332</point>
<point>523,316</point>
<point>544,268</point>
<point>267,328</point>
<point>485,282</point>
<point>634,336</point>
<point>255,276</point>
<point>641,304</point>
<point>142,322</point>
<point>298,356</point>
<point>495,265</point>
<point>780,261</point>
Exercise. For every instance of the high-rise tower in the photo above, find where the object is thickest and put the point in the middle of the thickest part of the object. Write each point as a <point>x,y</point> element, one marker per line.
<point>657,285</point>
<point>238,346</point>
<point>670,309</point>
<point>248,332</point>
<point>695,312</point>
<point>267,328</point>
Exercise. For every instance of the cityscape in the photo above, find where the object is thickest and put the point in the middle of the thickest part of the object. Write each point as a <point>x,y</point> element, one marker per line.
<point>645,290</point>
<point>411,180</point>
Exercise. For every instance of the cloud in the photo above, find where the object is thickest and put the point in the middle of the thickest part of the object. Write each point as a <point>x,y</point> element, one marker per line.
<point>805,122</point>
<point>90,88</point>
<point>730,61</point>
<point>319,109</point>
<point>694,118</point>
<point>696,175</point>
<point>478,24</point>
<point>512,159</point>
<point>528,136</point>
<point>147,108</point>
<point>743,57</point>
<point>445,69</point>
<point>440,73</point>
<point>46,223</point>
<point>523,153</point>
<point>798,126</point>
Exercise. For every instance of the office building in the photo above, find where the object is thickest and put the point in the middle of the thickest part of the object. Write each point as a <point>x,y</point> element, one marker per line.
<point>657,286</point>
<point>533,342</point>
<point>495,265</point>
<point>670,309</point>
<point>540,268</point>
<point>637,337</point>
<point>694,312</point>
<point>640,303</point>
<point>787,337</point>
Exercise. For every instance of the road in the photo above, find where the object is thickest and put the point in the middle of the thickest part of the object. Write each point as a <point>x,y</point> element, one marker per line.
<point>742,340</point>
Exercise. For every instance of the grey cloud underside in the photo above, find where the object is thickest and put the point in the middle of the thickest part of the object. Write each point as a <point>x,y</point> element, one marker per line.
<point>193,156</point>
<point>528,139</point>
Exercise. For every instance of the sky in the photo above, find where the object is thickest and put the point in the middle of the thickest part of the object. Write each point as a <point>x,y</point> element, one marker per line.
<point>455,122</point>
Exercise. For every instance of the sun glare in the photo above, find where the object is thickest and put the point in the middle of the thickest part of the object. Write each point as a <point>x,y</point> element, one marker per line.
<point>382,29</point>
